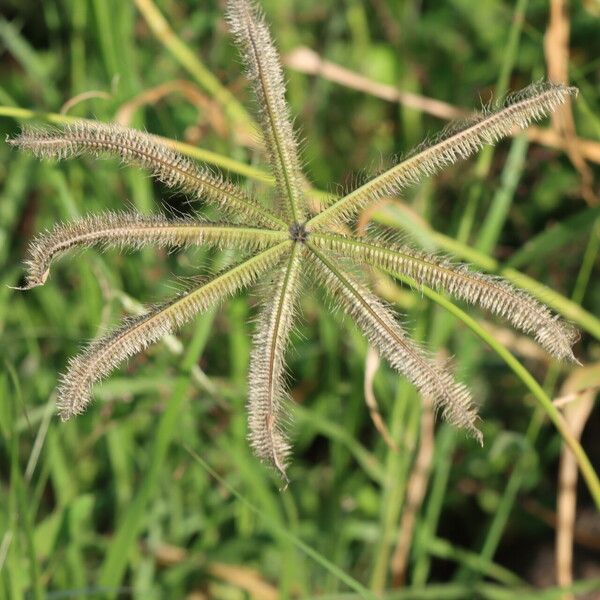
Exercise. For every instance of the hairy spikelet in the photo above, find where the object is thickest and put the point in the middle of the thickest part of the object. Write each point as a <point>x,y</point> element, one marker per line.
<point>263,67</point>
<point>136,334</point>
<point>439,272</point>
<point>456,143</point>
<point>134,230</point>
<point>385,334</point>
<point>267,394</point>
<point>138,148</point>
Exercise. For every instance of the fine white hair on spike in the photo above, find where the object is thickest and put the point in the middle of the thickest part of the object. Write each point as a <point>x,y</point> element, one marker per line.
<point>454,143</point>
<point>135,147</point>
<point>491,293</point>
<point>247,24</point>
<point>105,354</point>
<point>134,230</point>
<point>387,336</point>
<point>267,392</point>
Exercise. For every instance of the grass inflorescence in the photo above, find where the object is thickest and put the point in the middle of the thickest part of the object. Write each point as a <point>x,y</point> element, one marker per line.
<point>107,503</point>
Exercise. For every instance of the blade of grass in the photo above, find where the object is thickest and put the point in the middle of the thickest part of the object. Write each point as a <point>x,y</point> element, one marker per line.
<point>116,559</point>
<point>493,223</point>
<point>485,157</point>
<point>553,238</point>
<point>23,52</point>
<point>282,532</point>
<point>336,432</point>
<point>587,264</point>
<point>77,56</point>
<point>404,426</point>
<point>21,505</point>
<point>445,445</point>
<point>447,551</point>
<point>105,31</point>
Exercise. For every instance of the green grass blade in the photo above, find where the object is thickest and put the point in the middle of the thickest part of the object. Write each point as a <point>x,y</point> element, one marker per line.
<point>495,219</point>
<point>281,531</point>
<point>117,557</point>
<point>447,551</point>
<point>553,238</point>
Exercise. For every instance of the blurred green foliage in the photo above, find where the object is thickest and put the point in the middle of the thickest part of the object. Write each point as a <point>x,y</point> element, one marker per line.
<point>94,507</point>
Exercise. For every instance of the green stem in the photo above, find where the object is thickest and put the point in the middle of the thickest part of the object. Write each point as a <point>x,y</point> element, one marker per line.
<point>443,549</point>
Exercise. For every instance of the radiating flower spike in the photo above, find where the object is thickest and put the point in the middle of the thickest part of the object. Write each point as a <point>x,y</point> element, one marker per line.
<point>267,396</point>
<point>134,230</point>
<point>263,66</point>
<point>138,148</point>
<point>456,142</point>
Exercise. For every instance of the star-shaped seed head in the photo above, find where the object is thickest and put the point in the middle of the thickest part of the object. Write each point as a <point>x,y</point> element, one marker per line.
<point>288,247</point>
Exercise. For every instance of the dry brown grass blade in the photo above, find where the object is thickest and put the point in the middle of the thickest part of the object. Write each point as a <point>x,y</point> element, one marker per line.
<point>519,344</point>
<point>308,61</point>
<point>75,100</point>
<point>244,578</point>
<point>415,492</point>
<point>562,401</point>
<point>371,365</point>
<point>576,413</point>
<point>556,50</point>
<point>589,149</point>
<point>240,577</point>
<point>213,113</point>
<point>305,60</point>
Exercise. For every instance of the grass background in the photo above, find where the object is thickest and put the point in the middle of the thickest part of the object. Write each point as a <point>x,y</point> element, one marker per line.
<point>154,493</point>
